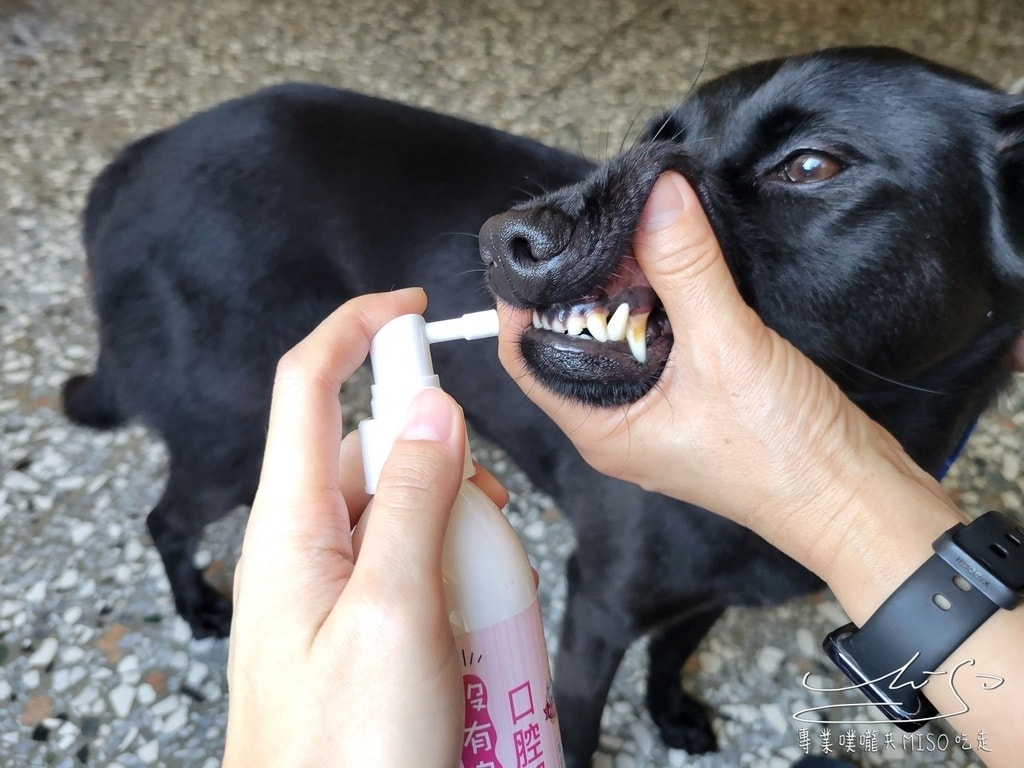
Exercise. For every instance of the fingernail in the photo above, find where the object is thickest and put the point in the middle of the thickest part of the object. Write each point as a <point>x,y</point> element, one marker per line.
<point>429,417</point>
<point>665,203</point>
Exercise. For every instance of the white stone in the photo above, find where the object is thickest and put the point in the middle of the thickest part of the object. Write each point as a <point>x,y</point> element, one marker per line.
<point>535,531</point>
<point>769,658</point>
<point>66,677</point>
<point>81,532</point>
<point>196,674</point>
<point>45,653</point>
<point>774,718</point>
<point>134,550</point>
<point>66,734</point>
<point>87,588</point>
<point>643,737</point>
<point>1011,466</point>
<point>129,737</point>
<point>806,643</point>
<point>128,670</point>
<point>68,483</point>
<point>121,699</point>
<point>148,752</point>
<point>36,593</point>
<point>709,662</point>
<point>202,559</point>
<point>66,580</point>
<point>146,694</point>
<point>177,720</point>
<point>85,699</point>
<point>166,705</point>
<point>14,480</point>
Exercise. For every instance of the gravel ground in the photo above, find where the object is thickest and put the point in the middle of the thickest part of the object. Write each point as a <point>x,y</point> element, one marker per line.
<point>95,668</point>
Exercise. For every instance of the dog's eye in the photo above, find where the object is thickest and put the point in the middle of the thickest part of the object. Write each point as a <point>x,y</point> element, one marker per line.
<point>806,167</point>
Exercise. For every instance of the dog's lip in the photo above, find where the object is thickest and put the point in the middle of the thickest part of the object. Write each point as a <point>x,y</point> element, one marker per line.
<point>602,362</point>
<point>617,310</point>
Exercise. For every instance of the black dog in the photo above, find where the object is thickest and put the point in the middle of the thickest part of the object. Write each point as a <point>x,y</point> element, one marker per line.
<point>870,205</point>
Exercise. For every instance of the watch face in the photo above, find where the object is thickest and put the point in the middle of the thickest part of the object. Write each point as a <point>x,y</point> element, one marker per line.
<point>905,707</point>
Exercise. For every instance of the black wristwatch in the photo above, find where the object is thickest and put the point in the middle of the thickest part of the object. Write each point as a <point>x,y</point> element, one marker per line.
<point>976,570</point>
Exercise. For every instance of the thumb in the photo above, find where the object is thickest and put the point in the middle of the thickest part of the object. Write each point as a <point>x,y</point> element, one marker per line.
<point>679,254</point>
<point>417,489</point>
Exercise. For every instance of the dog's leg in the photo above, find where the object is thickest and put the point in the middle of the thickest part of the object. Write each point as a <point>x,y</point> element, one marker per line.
<point>593,641</point>
<point>193,499</point>
<point>683,721</point>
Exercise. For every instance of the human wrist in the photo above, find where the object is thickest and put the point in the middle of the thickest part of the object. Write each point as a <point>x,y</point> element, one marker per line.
<point>887,514</point>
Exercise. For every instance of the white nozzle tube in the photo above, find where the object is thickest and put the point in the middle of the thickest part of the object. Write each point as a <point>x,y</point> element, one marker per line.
<point>474,325</point>
<point>400,356</point>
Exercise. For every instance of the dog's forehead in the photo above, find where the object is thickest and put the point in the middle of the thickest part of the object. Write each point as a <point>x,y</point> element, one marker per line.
<point>889,104</point>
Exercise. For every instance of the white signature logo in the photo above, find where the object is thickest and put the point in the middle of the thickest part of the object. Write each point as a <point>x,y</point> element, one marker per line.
<point>989,683</point>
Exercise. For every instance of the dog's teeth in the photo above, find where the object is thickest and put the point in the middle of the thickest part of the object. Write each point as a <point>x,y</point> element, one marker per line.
<point>557,326</point>
<point>597,324</point>
<point>575,325</point>
<point>636,336</point>
<point>617,323</point>
<point>536,320</point>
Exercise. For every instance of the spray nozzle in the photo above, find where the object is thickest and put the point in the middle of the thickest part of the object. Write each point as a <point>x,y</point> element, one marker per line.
<point>474,325</point>
<point>402,367</point>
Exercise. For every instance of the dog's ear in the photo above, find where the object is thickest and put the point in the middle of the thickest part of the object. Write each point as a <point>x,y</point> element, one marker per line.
<point>1010,161</point>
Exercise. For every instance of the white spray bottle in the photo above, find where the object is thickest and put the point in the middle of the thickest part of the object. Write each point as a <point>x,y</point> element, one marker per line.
<point>489,585</point>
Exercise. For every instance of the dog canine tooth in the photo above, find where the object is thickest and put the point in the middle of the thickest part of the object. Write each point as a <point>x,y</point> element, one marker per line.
<point>575,325</point>
<point>617,323</point>
<point>597,324</point>
<point>636,336</point>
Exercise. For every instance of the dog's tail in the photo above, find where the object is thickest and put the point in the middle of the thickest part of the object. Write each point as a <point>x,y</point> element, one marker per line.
<point>91,400</point>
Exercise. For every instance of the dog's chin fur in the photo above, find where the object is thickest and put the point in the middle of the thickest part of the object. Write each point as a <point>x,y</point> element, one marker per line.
<point>898,267</point>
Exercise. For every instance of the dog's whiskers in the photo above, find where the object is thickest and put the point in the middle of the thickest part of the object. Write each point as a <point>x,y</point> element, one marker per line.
<point>629,130</point>
<point>888,380</point>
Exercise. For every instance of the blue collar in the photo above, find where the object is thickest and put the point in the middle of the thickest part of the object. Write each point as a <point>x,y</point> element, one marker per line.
<point>957,450</point>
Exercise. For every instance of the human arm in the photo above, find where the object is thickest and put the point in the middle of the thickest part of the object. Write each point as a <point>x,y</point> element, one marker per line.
<point>743,424</point>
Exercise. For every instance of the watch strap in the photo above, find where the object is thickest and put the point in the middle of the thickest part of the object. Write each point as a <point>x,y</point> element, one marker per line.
<point>976,569</point>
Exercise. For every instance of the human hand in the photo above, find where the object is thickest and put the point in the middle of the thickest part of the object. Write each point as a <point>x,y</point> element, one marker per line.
<point>334,662</point>
<point>743,424</point>
<point>740,422</point>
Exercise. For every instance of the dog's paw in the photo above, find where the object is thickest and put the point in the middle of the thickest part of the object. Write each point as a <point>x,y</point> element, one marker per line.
<point>684,723</point>
<point>210,616</point>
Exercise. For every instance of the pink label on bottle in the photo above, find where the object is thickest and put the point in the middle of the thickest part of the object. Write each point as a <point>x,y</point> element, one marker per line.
<point>506,682</point>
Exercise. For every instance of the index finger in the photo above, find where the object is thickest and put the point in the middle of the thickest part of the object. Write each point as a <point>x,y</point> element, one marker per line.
<point>300,463</point>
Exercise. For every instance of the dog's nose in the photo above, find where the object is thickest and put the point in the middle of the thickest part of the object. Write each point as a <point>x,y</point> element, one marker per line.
<point>524,240</point>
